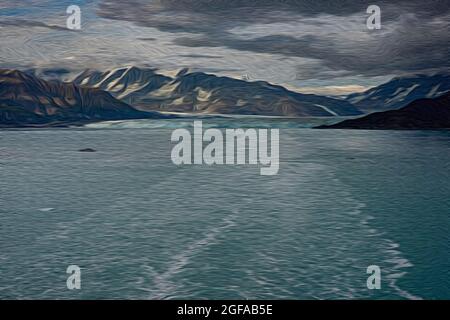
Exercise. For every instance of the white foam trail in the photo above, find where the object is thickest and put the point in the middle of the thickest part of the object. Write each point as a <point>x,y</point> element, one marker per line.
<point>164,286</point>
<point>396,256</point>
<point>400,263</point>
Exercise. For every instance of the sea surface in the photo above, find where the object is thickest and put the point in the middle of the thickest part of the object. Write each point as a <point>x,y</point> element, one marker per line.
<point>140,227</point>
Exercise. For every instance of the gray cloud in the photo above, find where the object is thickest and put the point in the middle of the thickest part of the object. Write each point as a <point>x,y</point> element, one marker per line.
<point>200,56</point>
<point>253,11</point>
<point>415,34</point>
<point>22,23</point>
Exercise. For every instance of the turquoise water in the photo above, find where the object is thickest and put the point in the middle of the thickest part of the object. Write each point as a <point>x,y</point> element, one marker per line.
<point>142,228</point>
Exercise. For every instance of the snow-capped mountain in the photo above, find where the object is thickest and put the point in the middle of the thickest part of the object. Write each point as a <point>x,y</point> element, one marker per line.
<point>198,92</point>
<point>26,100</point>
<point>420,114</point>
<point>399,92</point>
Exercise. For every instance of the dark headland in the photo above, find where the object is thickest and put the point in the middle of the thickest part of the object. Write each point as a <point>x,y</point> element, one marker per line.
<point>422,114</point>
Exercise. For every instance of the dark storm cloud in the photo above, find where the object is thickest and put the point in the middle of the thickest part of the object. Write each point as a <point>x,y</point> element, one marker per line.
<point>419,50</point>
<point>415,34</point>
<point>142,11</point>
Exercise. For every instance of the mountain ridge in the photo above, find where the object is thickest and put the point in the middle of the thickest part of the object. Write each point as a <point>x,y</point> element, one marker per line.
<point>400,91</point>
<point>26,100</point>
<point>199,92</point>
<point>424,114</point>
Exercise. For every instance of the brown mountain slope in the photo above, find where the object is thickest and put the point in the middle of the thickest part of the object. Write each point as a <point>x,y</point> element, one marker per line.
<point>199,92</point>
<point>26,100</point>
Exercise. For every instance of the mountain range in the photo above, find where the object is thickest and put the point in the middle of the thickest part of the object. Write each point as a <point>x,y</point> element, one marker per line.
<point>419,114</point>
<point>26,100</point>
<point>198,92</point>
<point>43,98</point>
<point>400,91</point>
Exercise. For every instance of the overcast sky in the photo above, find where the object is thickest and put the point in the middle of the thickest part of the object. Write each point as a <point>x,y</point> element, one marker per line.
<point>317,46</point>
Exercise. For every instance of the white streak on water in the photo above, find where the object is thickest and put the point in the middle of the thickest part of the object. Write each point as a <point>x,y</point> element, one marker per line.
<point>394,257</point>
<point>165,288</point>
